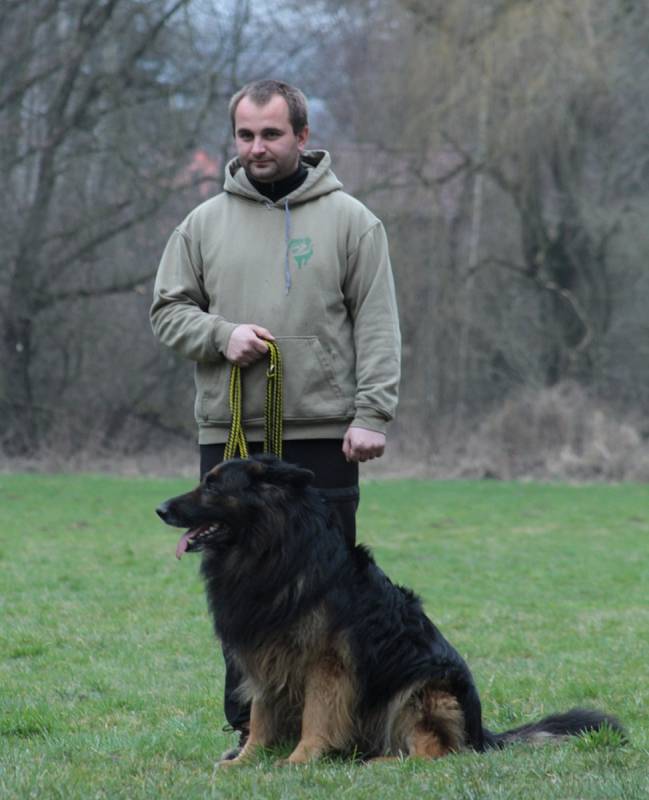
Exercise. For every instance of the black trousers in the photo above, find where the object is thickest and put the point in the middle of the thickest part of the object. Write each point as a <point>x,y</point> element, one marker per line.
<point>337,480</point>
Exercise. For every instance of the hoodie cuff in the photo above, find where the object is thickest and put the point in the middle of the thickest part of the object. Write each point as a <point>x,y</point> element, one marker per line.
<point>222,332</point>
<point>370,420</point>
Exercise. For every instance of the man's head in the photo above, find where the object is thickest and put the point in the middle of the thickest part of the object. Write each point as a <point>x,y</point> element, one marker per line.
<point>270,126</point>
<point>260,92</point>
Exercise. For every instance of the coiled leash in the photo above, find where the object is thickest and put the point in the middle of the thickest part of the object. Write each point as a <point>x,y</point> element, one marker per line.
<point>273,422</point>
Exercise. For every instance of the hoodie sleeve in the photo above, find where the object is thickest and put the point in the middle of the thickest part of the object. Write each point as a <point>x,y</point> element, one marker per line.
<point>179,314</point>
<point>371,300</point>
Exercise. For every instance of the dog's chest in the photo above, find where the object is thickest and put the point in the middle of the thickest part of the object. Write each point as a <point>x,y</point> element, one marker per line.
<point>281,663</point>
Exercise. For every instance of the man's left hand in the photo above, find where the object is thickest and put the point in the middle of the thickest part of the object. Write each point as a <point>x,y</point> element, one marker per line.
<point>360,444</point>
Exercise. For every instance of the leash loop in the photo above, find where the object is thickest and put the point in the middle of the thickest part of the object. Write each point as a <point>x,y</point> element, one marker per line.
<point>273,409</point>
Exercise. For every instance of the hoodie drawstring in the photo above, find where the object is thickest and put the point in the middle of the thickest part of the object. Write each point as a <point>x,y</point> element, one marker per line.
<point>287,238</point>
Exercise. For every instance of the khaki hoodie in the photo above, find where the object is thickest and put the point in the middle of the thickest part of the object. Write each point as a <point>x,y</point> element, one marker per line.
<point>314,269</point>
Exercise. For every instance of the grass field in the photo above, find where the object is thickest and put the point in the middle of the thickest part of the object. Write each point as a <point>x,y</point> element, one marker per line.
<point>111,680</point>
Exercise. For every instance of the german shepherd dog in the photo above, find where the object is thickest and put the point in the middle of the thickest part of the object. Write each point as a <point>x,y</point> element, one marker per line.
<point>335,657</point>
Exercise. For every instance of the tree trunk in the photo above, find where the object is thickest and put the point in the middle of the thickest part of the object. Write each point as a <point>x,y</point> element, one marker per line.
<point>20,417</point>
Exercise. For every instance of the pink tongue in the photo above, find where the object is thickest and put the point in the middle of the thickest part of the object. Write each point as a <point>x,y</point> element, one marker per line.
<point>182,545</point>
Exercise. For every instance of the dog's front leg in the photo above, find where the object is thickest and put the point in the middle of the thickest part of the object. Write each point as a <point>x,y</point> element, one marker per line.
<point>327,714</point>
<point>260,734</point>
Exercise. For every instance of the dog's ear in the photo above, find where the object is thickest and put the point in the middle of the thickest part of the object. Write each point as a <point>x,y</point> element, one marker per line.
<point>298,476</point>
<point>272,470</point>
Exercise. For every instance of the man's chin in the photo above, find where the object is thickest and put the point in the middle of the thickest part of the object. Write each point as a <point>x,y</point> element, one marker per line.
<point>266,173</point>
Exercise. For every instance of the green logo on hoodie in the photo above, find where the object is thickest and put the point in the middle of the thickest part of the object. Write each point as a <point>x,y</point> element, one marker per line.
<point>301,250</point>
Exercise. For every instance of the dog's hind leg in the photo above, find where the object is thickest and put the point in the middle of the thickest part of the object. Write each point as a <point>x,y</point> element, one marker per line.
<point>260,735</point>
<point>327,714</point>
<point>430,725</point>
<point>439,730</point>
<point>424,743</point>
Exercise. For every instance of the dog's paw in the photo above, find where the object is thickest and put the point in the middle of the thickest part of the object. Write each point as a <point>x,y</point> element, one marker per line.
<point>226,763</point>
<point>231,754</point>
<point>296,760</point>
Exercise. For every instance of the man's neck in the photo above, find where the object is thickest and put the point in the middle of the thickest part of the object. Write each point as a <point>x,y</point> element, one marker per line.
<point>275,190</point>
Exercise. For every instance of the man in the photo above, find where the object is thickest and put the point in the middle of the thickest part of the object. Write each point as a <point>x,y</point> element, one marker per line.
<point>284,255</point>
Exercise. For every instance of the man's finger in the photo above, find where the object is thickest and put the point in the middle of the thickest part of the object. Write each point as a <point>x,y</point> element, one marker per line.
<point>347,448</point>
<point>263,333</point>
<point>258,346</point>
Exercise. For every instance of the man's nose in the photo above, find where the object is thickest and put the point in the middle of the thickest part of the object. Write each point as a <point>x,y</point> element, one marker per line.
<point>258,145</point>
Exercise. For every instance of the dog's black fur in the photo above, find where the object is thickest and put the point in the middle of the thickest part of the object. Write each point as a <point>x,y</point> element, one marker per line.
<point>333,653</point>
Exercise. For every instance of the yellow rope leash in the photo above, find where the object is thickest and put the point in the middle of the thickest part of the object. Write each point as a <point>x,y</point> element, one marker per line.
<point>273,422</point>
<point>273,411</point>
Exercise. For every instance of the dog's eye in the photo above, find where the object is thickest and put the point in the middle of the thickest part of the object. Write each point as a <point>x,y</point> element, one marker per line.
<point>211,481</point>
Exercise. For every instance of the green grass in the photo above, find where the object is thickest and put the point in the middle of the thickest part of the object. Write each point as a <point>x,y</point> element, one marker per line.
<point>111,680</point>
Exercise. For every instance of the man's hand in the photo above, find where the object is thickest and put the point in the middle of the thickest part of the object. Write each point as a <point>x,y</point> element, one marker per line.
<point>360,444</point>
<point>247,344</point>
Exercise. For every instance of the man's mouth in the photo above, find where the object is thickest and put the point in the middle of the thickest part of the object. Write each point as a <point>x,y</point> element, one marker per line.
<point>191,539</point>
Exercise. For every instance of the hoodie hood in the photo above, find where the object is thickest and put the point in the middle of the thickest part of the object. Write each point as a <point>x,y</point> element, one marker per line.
<point>320,180</point>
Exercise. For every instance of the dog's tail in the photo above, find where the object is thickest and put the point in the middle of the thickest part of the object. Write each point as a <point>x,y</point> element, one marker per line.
<point>557,726</point>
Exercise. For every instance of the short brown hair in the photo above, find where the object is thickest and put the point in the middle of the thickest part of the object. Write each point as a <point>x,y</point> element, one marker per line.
<point>260,92</point>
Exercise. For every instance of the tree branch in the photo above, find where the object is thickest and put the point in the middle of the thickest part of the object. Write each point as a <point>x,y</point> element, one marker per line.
<point>554,288</point>
<point>134,284</point>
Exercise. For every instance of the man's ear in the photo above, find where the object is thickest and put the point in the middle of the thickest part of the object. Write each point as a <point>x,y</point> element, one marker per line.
<point>302,137</point>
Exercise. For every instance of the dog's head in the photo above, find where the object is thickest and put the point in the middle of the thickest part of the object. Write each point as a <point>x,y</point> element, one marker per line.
<point>231,499</point>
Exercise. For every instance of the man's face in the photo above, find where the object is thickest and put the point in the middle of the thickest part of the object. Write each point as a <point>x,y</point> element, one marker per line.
<point>268,148</point>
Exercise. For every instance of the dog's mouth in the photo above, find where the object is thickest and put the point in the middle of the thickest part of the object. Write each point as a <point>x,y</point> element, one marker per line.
<point>192,540</point>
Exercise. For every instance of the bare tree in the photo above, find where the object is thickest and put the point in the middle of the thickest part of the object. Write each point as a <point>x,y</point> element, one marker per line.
<point>103,107</point>
<point>79,162</point>
<point>506,141</point>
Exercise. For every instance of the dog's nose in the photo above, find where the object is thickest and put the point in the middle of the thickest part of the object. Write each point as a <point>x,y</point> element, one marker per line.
<point>163,511</point>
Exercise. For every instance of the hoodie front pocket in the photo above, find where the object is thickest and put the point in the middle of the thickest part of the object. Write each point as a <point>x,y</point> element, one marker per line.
<point>312,390</point>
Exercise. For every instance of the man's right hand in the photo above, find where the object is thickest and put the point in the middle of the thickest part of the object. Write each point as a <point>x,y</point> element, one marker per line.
<point>247,344</point>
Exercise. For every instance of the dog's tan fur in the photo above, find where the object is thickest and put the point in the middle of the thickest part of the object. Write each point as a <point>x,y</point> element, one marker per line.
<point>314,676</point>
